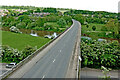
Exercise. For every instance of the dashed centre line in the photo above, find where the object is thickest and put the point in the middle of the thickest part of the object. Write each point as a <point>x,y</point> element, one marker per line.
<point>53,60</point>
<point>43,77</point>
<point>60,50</point>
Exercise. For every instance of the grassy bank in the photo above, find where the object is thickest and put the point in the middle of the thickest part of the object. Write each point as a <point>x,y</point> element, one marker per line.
<point>19,41</point>
<point>97,33</point>
<point>98,27</point>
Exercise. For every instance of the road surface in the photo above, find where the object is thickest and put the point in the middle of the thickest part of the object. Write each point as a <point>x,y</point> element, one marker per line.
<point>54,64</point>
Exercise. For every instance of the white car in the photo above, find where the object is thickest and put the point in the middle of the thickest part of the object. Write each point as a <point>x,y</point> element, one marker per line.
<point>10,65</point>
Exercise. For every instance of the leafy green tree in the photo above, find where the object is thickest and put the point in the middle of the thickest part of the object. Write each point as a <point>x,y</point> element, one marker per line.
<point>13,23</point>
<point>23,17</point>
<point>26,13</point>
<point>39,28</point>
<point>10,19</point>
<point>61,22</point>
<point>27,51</point>
<point>52,18</point>
<point>68,19</point>
<point>50,10</point>
<point>94,28</point>
<point>87,26</point>
<point>30,11</point>
<point>104,28</point>
<point>40,22</point>
<point>13,55</point>
<point>21,25</point>
<point>38,10</point>
<point>48,27</point>
<point>80,18</point>
<point>112,26</point>
<point>31,25</point>
<point>7,20</point>
<point>26,21</point>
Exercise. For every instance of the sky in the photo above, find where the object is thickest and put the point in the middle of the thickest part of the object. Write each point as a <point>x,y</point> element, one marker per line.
<point>92,5</point>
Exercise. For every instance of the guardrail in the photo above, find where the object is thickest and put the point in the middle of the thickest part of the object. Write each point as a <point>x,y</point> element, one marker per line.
<point>7,73</point>
<point>79,52</point>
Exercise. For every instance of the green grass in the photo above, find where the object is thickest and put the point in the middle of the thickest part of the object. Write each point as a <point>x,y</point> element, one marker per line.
<point>94,34</point>
<point>19,41</point>
<point>98,27</point>
<point>54,24</point>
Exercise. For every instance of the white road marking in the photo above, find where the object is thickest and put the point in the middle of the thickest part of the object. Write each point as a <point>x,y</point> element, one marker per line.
<point>60,50</point>
<point>53,60</point>
<point>43,77</point>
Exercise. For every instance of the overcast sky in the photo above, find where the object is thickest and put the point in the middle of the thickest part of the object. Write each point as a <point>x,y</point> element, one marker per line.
<point>93,5</point>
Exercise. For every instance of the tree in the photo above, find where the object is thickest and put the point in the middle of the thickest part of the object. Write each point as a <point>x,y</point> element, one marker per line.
<point>80,18</point>
<point>50,10</point>
<point>26,13</point>
<point>27,51</point>
<point>104,28</point>
<point>40,22</point>
<point>52,18</point>
<point>112,25</point>
<point>94,28</point>
<point>31,25</point>
<point>61,22</point>
<point>27,21</point>
<point>87,26</point>
<point>10,19</point>
<point>21,25</point>
<point>38,10</point>
<point>13,23</point>
<point>48,27</point>
<point>23,17</point>
<point>67,18</point>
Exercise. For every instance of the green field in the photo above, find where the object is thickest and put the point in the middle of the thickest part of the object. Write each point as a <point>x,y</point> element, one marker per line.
<point>19,41</point>
<point>55,25</point>
<point>94,34</point>
<point>98,27</point>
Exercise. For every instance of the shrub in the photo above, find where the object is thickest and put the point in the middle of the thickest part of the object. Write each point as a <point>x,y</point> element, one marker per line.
<point>61,22</point>
<point>13,55</point>
<point>96,54</point>
<point>94,28</point>
<point>87,26</point>
<point>104,28</point>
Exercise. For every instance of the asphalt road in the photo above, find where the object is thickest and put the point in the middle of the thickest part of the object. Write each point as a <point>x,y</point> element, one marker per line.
<point>55,62</point>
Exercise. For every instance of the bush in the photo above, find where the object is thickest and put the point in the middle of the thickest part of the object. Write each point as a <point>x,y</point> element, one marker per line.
<point>21,25</point>
<point>31,25</point>
<point>13,55</point>
<point>38,28</point>
<point>94,28</point>
<point>61,22</point>
<point>104,28</point>
<point>87,26</point>
<point>96,54</point>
